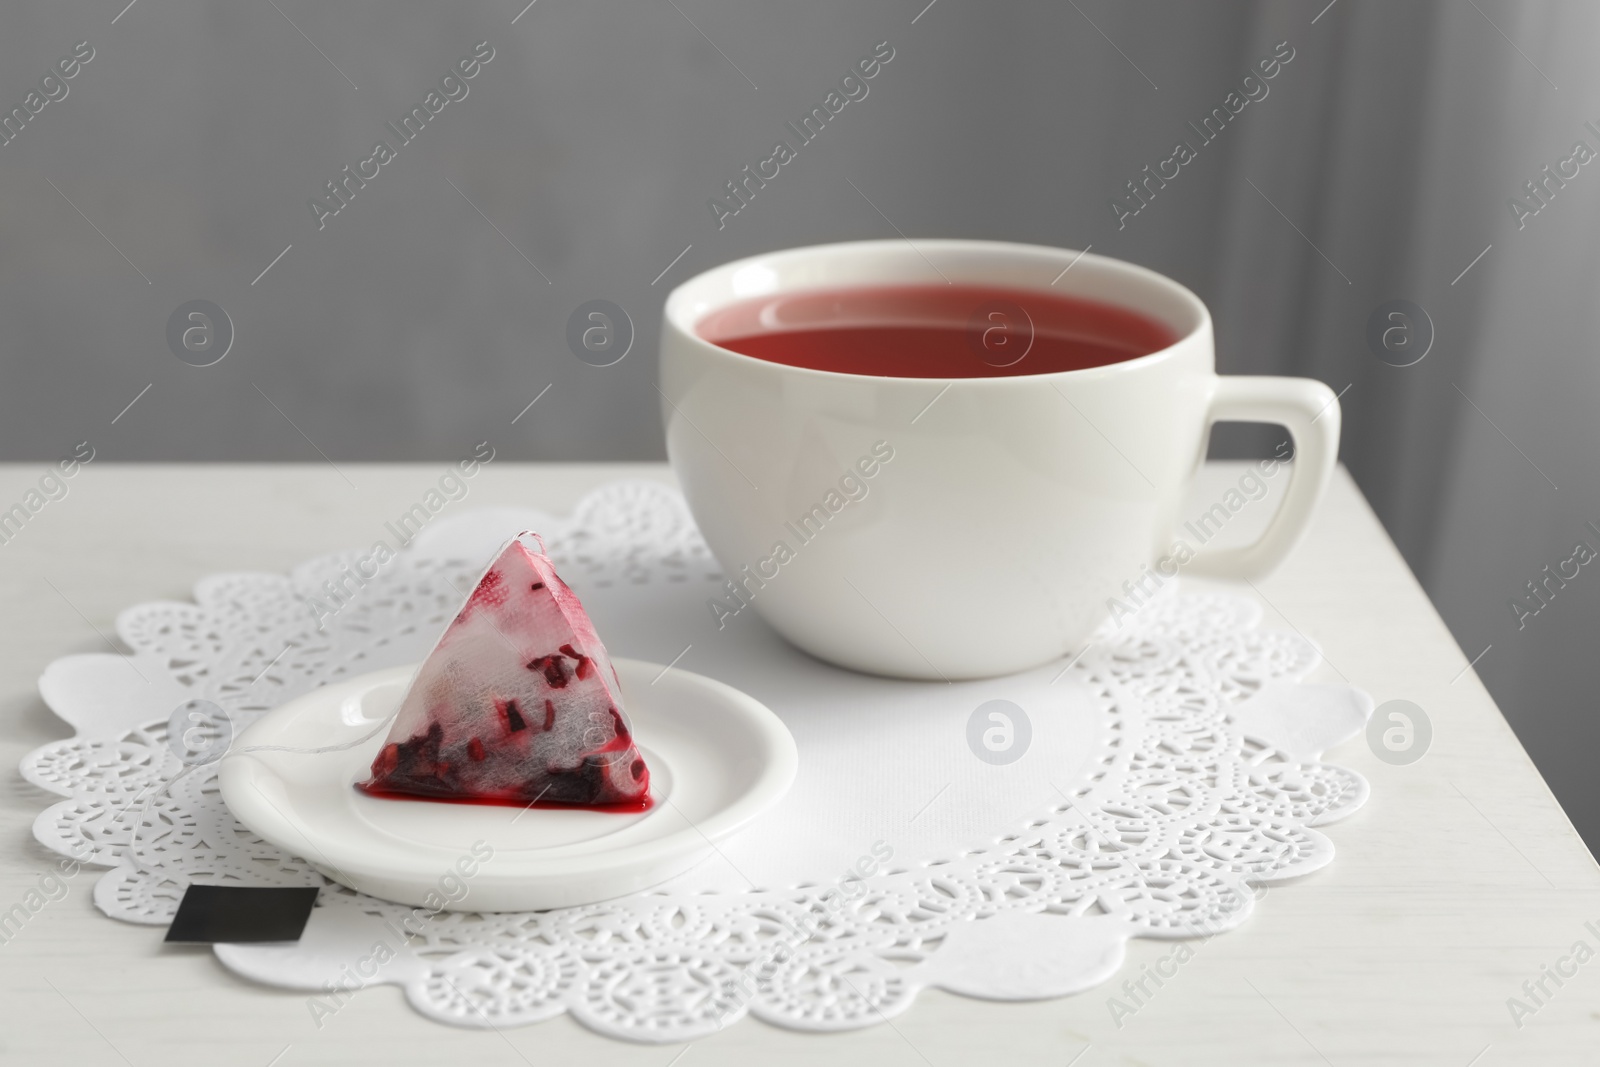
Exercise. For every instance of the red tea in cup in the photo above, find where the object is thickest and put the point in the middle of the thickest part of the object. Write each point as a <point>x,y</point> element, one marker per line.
<point>934,331</point>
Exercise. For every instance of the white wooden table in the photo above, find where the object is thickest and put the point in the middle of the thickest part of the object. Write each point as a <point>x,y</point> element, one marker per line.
<point>1458,881</point>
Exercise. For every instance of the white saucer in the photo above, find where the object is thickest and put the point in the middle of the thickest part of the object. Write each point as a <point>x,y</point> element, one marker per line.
<point>717,757</point>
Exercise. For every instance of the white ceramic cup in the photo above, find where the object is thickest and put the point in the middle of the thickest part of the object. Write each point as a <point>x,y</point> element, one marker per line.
<point>1010,510</point>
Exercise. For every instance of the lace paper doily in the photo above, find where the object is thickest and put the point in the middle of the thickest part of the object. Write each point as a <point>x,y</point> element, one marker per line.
<point>1172,766</point>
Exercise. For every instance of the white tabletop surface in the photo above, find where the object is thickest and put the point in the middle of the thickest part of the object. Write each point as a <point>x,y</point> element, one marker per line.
<point>1459,880</point>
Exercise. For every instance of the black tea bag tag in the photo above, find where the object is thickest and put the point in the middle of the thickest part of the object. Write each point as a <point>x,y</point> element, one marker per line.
<point>241,914</point>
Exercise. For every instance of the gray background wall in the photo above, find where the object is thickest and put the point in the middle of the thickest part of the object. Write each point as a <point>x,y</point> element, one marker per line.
<point>418,322</point>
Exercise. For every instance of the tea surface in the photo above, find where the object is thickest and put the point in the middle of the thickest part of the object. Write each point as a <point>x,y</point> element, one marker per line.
<point>934,331</point>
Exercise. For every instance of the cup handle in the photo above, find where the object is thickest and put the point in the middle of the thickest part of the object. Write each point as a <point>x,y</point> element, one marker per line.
<point>1309,410</point>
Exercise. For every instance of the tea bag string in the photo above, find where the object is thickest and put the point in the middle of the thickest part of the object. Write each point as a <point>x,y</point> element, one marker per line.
<point>144,811</point>
<point>383,724</point>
